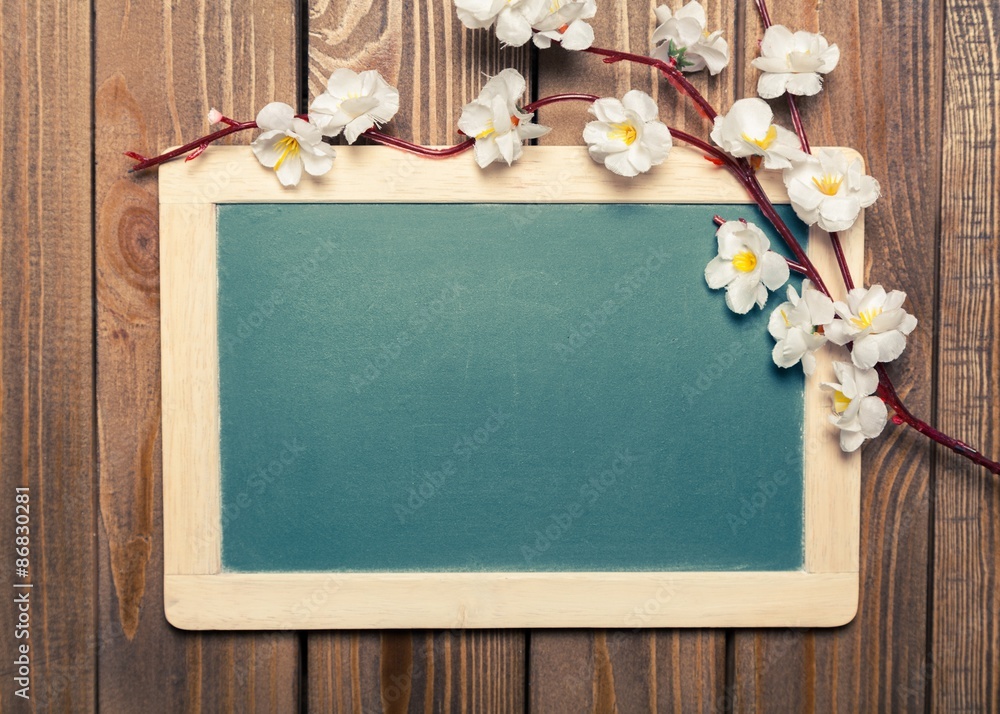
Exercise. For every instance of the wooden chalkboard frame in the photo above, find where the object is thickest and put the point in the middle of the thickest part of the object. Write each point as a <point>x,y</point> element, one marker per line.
<point>199,595</point>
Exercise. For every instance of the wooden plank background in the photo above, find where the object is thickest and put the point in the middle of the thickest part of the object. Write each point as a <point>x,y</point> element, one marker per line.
<point>917,93</point>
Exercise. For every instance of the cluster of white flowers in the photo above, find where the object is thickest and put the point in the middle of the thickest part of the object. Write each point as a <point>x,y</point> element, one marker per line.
<point>627,137</point>
<point>871,321</point>
<point>825,189</point>
<point>544,21</point>
<point>352,103</point>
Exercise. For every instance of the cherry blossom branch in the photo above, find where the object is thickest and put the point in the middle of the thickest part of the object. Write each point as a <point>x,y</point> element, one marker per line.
<point>886,390</point>
<point>838,250</point>
<point>739,168</point>
<point>556,98</point>
<point>420,150</point>
<point>756,191</point>
<point>888,394</point>
<point>800,131</point>
<point>196,147</point>
<point>669,70</point>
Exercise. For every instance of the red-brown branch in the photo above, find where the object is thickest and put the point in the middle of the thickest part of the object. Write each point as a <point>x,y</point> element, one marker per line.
<point>669,70</point>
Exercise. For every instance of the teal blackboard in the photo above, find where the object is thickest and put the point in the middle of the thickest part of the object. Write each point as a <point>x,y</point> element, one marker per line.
<point>489,387</point>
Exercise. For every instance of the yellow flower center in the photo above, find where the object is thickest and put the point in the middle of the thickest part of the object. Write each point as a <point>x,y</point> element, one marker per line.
<point>745,262</point>
<point>865,318</point>
<point>828,184</point>
<point>288,146</point>
<point>624,132</point>
<point>784,316</point>
<point>840,402</point>
<point>765,143</point>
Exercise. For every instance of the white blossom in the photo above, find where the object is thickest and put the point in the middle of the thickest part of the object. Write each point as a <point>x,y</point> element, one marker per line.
<point>627,137</point>
<point>513,18</point>
<point>796,323</point>
<point>858,414</point>
<point>875,322</point>
<point>682,36</point>
<point>829,190</point>
<point>354,103</point>
<point>793,62</point>
<point>289,144</point>
<point>745,266</point>
<point>496,123</point>
<point>564,22</point>
<point>747,130</point>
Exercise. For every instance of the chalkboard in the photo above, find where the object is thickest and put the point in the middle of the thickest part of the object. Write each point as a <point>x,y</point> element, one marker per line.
<point>476,392</point>
<point>464,387</point>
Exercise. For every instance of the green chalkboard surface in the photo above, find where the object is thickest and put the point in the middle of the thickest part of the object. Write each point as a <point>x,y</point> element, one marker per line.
<point>484,387</point>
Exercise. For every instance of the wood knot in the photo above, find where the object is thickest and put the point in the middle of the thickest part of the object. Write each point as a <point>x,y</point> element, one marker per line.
<point>139,242</point>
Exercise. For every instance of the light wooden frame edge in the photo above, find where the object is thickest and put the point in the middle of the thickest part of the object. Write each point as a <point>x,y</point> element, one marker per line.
<point>199,595</point>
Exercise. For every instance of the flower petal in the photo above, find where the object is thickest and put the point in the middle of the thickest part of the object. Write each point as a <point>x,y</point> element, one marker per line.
<point>486,151</point>
<point>618,162</point>
<point>741,294</point>
<point>719,273</point>
<point>513,29</point>
<point>290,171</point>
<point>578,36</point>
<point>805,84</point>
<point>872,416</point>
<point>640,103</point>
<point>771,85</point>
<point>276,115</point>
<point>317,160</point>
<point>774,270</point>
<point>865,352</point>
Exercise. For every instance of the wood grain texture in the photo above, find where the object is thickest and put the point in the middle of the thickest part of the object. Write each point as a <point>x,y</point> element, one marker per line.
<point>194,56</point>
<point>46,341</point>
<point>637,670</point>
<point>417,671</point>
<point>883,100</point>
<point>964,670</point>
<point>695,684</point>
<point>420,47</point>
<point>438,66</point>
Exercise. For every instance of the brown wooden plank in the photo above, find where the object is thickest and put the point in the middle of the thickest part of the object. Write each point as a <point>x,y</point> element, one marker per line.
<point>159,68</point>
<point>46,378</point>
<point>883,100</point>
<point>964,670</point>
<point>417,671</point>
<point>438,66</point>
<point>628,670</point>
